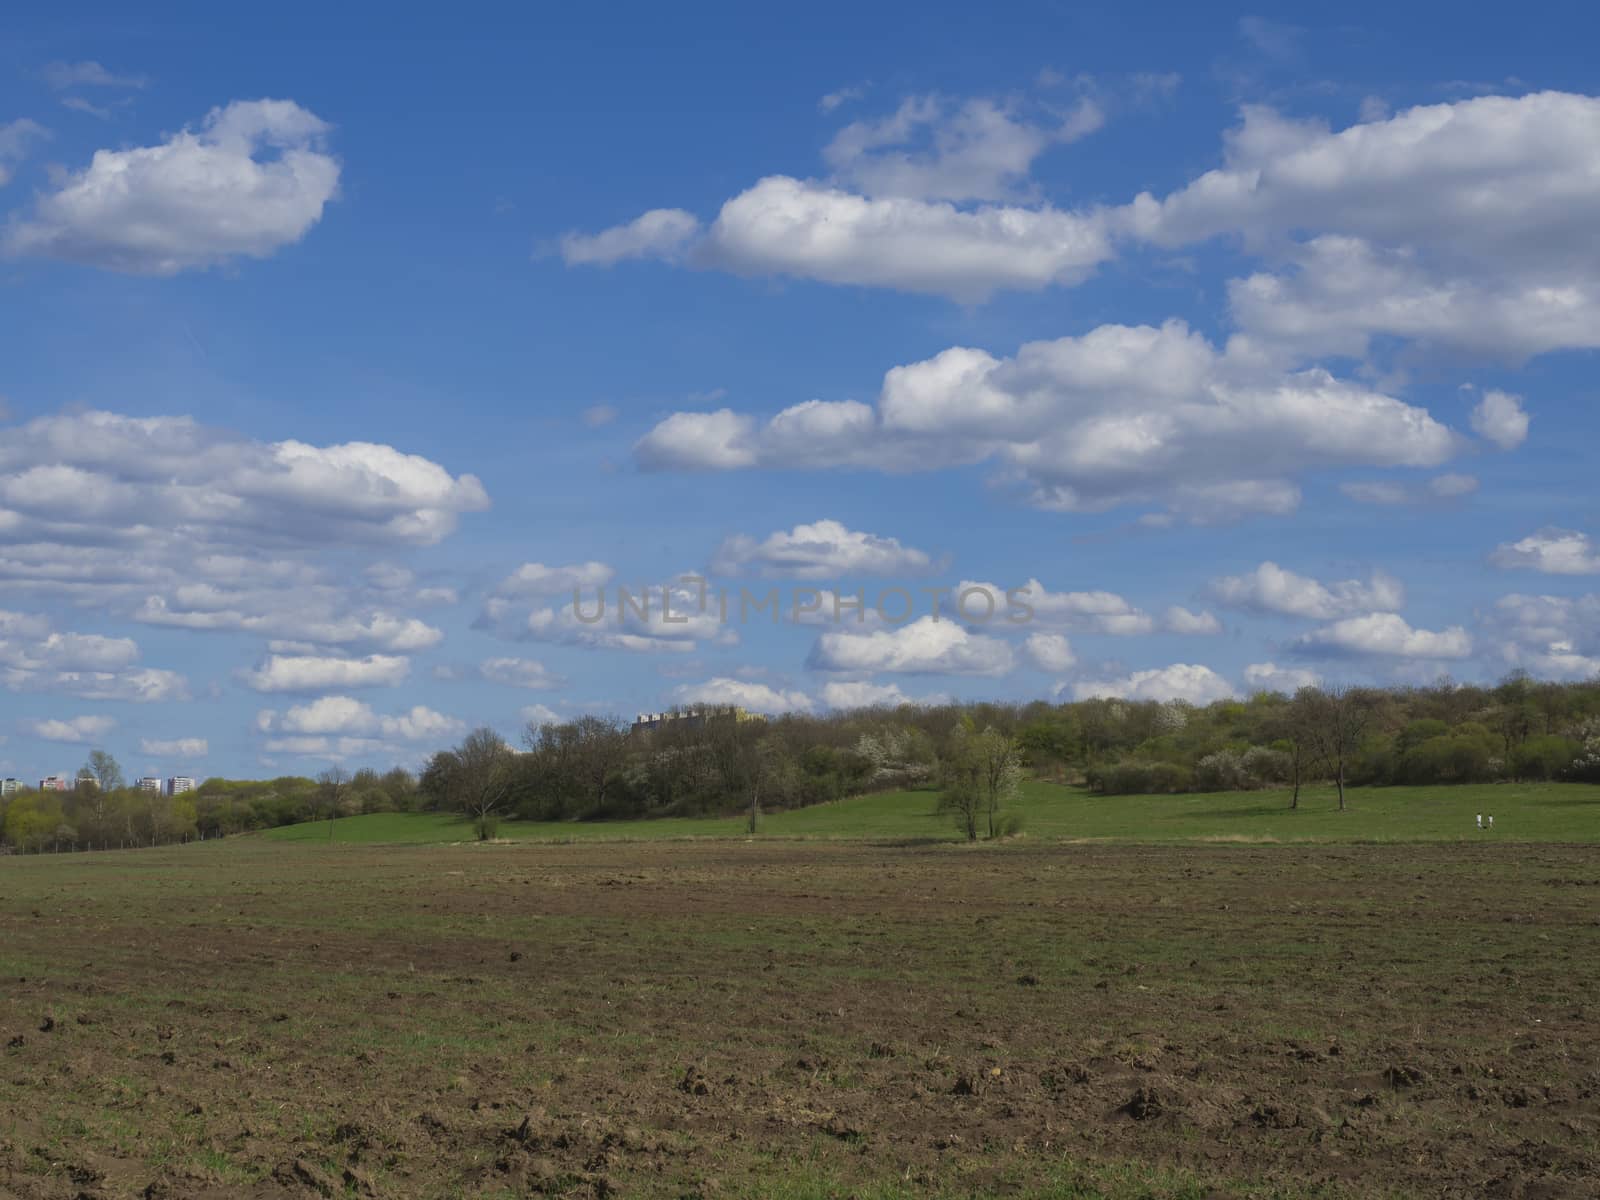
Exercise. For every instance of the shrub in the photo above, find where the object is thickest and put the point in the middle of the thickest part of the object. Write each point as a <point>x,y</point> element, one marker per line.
<point>1548,756</point>
<point>1132,777</point>
<point>1266,765</point>
<point>1222,772</point>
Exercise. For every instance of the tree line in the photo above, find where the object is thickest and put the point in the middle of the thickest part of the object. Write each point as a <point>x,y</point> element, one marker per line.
<point>101,812</point>
<point>971,756</point>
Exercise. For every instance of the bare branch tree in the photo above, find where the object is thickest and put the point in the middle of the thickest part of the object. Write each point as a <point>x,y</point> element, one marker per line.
<point>1338,717</point>
<point>332,785</point>
<point>483,781</point>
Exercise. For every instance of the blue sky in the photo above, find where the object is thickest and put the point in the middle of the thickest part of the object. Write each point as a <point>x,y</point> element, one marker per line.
<point>335,352</point>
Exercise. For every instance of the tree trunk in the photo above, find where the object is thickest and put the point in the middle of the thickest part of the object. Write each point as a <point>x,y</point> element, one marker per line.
<point>1294,801</point>
<point>1341,784</point>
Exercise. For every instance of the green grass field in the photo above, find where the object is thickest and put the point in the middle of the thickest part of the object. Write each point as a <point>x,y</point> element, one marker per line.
<point>1547,812</point>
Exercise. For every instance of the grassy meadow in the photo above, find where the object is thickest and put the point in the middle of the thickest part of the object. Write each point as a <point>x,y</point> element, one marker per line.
<point>1542,812</point>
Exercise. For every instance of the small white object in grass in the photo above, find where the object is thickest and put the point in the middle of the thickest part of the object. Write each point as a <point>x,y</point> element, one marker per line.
<point>1491,822</point>
<point>1480,820</point>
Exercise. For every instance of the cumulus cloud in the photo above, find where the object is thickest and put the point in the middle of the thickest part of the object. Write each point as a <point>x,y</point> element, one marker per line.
<point>207,608</point>
<point>1386,635</point>
<point>536,579</point>
<point>1500,418</point>
<point>1473,180</point>
<point>661,233</point>
<point>175,747</point>
<point>345,715</point>
<point>1452,224</point>
<point>1552,637</point>
<point>1049,651</point>
<point>926,646</point>
<point>539,714</point>
<point>35,658</point>
<point>821,550</point>
<point>1181,620</point>
<point>757,697</point>
<point>252,179</point>
<point>137,685</point>
<point>175,524</point>
<point>316,673</point>
<point>98,475</point>
<point>1551,551</point>
<point>1338,293</point>
<point>1032,604</point>
<point>520,672</point>
<point>862,693</point>
<point>72,729</point>
<point>932,197</point>
<point>933,149</point>
<point>1272,589</point>
<point>1121,415</point>
<point>664,618</point>
<point>1270,677</point>
<point>813,230</point>
<point>1181,681</point>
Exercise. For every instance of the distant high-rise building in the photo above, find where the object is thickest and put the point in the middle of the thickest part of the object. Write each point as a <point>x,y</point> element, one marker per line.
<point>55,783</point>
<point>10,787</point>
<point>150,783</point>
<point>179,784</point>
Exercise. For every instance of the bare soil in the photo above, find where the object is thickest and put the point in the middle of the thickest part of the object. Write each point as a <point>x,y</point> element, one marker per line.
<point>764,1018</point>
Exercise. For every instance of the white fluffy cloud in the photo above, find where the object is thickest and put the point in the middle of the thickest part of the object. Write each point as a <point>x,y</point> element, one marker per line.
<point>813,230</point>
<point>316,673</point>
<point>252,179</point>
<point>1553,637</point>
<point>175,747</point>
<point>1550,551</point>
<point>1384,634</point>
<point>536,579</point>
<point>306,616</point>
<point>72,729</point>
<point>1049,651</point>
<point>1270,677</point>
<point>928,645</point>
<point>1500,418</point>
<point>346,715</point>
<point>1181,620</point>
<point>821,550</point>
<point>932,197</point>
<point>1474,181</point>
<point>100,477</point>
<point>1121,415</point>
<point>757,697</point>
<point>1034,605</point>
<point>663,618</point>
<point>1468,224</point>
<point>1271,588</point>
<point>178,525</point>
<point>1190,682</point>
<point>660,233</point>
<point>34,658</point>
